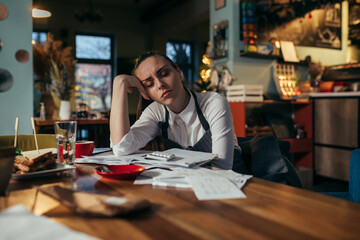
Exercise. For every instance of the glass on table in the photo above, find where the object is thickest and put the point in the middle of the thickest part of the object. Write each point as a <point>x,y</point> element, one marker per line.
<point>65,132</point>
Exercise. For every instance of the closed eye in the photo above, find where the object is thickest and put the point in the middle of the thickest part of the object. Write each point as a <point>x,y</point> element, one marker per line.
<point>148,83</point>
<point>164,73</point>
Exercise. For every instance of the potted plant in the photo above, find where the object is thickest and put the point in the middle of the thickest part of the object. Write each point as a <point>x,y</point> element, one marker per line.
<point>54,61</point>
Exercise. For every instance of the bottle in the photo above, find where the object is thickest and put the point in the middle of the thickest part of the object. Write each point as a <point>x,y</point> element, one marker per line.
<point>42,111</point>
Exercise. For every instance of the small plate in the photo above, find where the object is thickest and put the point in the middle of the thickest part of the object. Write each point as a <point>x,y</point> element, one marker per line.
<point>121,171</point>
<point>59,168</point>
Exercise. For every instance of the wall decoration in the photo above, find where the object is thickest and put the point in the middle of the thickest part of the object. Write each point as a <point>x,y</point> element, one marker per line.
<point>220,39</point>
<point>6,80</point>
<point>305,23</point>
<point>219,4</point>
<point>22,56</point>
<point>3,12</point>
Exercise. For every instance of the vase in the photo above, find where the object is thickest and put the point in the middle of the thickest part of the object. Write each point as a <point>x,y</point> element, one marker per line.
<point>65,110</point>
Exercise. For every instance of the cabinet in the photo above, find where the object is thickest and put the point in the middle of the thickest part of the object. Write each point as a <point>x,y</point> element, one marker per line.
<point>302,112</point>
<point>336,131</point>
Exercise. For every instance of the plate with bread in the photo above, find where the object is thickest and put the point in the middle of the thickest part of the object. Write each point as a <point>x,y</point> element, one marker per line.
<point>37,164</point>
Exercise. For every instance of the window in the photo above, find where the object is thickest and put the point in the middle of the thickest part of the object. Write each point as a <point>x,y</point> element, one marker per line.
<point>39,36</point>
<point>94,70</point>
<point>181,52</point>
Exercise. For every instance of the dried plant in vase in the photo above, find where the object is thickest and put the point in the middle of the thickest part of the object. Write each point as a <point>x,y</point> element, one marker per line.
<point>55,62</point>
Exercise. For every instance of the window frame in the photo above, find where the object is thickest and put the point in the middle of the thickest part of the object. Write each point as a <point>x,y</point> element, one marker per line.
<point>46,31</point>
<point>111,61</point>
<point>192,66</point>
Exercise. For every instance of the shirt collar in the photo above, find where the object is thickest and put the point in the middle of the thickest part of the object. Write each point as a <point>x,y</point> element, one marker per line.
<point>185,114</point>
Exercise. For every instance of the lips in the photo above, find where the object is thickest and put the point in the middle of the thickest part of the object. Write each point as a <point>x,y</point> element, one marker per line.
<point>165,94</point>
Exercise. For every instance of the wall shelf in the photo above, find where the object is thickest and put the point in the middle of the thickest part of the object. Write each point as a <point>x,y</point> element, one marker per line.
<point>270,57</point>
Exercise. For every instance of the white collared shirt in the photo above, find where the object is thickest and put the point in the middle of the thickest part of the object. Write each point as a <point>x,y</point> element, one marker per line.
<point>185,128</point>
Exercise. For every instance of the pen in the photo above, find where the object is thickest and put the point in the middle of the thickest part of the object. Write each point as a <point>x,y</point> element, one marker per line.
<point>170,184</point>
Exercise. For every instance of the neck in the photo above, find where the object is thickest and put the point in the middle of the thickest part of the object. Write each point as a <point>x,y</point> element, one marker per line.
<point>181,105</point>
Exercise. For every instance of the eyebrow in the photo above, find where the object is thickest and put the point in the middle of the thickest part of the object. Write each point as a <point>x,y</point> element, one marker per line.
<point>157,72</point>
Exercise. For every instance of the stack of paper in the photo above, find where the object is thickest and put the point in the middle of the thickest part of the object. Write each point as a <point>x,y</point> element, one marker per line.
<point>245,93</point>
<point>183,158</point>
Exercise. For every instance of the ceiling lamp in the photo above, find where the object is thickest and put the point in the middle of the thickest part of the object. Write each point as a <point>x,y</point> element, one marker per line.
<point>88,13</point>
<point>39,13</point>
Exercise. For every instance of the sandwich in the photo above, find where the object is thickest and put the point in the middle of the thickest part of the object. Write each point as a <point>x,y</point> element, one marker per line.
<point>32,161</point>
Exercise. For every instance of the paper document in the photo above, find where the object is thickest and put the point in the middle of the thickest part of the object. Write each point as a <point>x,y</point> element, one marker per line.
<point>207,184</point>
<point>19,223</point>
<point>109,159</point>
<point>211,188</point>
<point>183,158</point>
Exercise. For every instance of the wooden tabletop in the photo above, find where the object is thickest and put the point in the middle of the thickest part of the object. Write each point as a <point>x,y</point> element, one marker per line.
<point>270,211</point>
<point>80,121</point>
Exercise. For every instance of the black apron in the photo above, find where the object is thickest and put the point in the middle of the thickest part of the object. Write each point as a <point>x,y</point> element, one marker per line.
<point>205,142</point>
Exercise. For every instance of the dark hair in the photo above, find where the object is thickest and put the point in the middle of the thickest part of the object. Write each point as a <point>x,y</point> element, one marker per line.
<point>153,53</point>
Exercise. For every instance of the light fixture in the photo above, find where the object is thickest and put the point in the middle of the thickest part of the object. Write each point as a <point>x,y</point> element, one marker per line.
<point>39,13</point>
<point>88,13</point>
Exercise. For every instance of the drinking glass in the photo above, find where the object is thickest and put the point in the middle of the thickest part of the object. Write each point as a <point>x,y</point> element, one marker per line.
<point>65,132</point>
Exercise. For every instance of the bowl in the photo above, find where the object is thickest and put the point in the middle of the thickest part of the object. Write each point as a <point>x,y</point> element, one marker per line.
<point>121,171</point>
<point>7,156</point>
<point>84,148</point>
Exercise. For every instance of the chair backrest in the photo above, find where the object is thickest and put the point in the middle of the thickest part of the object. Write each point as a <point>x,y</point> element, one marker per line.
<point>267,158</point>
<point>354,179</point>
<point>283,145</point>
<point>27,142</point>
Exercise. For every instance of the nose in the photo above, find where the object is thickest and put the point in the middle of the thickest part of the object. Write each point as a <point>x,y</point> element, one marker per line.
<point>159,83</point>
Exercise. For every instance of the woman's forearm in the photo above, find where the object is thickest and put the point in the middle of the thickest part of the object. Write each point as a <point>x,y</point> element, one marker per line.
<point>119,117</point>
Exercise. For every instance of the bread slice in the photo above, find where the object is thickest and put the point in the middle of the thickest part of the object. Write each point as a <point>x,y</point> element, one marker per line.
<point>31,162</point>
<point>29,159</point>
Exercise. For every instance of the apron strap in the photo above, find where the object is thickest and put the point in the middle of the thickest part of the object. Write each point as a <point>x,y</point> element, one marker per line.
<point>202,119</point>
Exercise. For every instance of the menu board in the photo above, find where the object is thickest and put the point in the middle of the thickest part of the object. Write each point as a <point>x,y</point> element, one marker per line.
<point>305,23</point>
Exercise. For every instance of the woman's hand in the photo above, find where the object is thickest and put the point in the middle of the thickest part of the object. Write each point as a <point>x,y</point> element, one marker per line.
<point>130,82</point>
<point>119,117</point>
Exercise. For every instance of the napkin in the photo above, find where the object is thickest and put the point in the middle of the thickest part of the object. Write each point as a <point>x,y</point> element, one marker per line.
<point>19,223</point>
<point>93,204</point>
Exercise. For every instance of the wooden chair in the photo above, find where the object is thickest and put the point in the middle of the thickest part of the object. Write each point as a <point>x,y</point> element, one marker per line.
<point>27,142</point>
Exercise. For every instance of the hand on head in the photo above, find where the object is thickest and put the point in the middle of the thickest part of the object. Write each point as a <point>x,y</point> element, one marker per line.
<point>132,81</point>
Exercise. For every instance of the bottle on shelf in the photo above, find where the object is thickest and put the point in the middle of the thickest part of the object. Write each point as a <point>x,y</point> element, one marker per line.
<point>42,111</point>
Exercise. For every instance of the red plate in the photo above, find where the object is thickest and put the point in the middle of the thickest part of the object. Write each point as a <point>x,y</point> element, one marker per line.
<point>121,171</point>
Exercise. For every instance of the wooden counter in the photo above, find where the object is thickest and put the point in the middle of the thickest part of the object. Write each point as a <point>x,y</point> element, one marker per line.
<point>97,129</point>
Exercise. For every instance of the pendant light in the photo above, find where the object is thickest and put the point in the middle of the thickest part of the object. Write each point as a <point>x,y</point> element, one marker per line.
<point>38,12</point>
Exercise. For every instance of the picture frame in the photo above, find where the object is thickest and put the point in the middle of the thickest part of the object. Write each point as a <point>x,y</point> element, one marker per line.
<point>219,4</point>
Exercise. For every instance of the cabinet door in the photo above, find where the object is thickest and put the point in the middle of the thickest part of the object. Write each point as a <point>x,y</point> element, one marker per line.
<point>336,122</point>
<point>332,162</point>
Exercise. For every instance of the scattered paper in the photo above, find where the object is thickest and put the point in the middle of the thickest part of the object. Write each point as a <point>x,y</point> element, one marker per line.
<point>212,188</point>
<point>209,184</point>
<point>19,223</point>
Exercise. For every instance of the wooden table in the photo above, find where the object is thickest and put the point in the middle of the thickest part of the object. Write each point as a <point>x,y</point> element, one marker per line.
<point>270,211</point>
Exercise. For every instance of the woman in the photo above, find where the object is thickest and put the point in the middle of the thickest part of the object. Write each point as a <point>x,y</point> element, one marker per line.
<point>195,121</point>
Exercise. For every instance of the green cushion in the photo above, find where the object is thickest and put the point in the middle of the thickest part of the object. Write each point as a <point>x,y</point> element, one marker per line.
<point>27,142</point>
